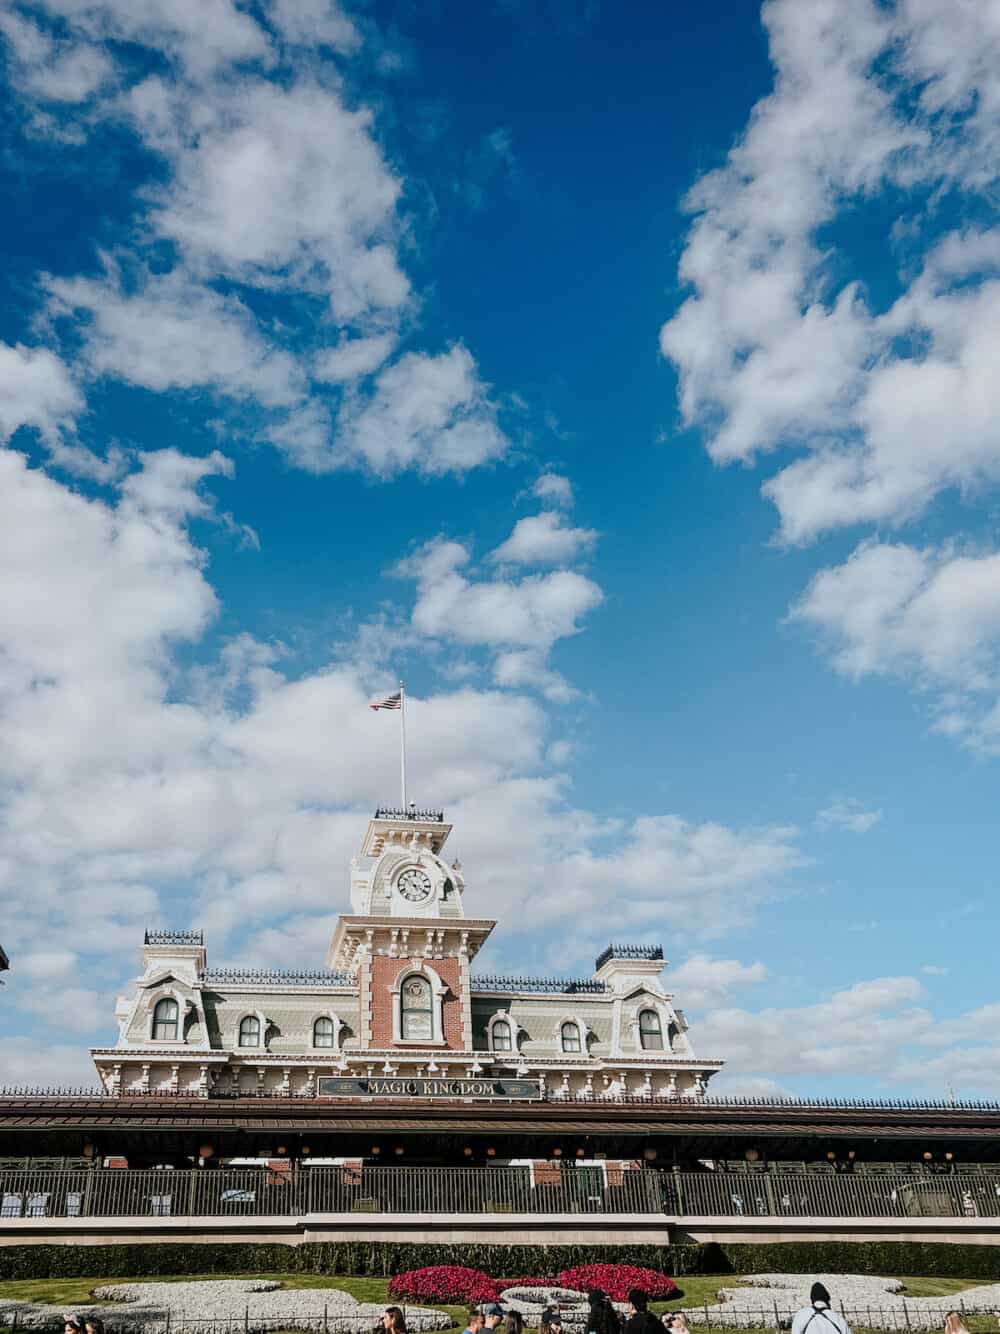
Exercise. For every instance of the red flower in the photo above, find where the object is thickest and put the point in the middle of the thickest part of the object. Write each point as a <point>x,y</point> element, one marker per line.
<point>616,1280</point>
<point>451,1285</point>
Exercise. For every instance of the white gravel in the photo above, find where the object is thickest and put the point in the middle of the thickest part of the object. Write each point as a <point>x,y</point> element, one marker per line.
<point>531,1302</point>
<point>879,1302</point>
<point>225,1303</point>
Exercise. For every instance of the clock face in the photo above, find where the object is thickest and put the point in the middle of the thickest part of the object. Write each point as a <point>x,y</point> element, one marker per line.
<point>414,885</point>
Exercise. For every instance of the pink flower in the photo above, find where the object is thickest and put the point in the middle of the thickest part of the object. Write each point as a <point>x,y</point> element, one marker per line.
<point>448,1284</point>
<point>616,1280</point>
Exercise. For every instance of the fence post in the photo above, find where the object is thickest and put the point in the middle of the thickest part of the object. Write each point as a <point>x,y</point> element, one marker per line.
<point>326,1327</point>
<point>706,1316</point>
<point>777,1318</point>
<point>246,1319</point>
<point>906,1313</point>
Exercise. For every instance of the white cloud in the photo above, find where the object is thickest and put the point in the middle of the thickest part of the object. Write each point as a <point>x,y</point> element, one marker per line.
<point>660,872</point>
<point>200,37</point>
<point>431,413</point>
<point>930,617</point>
<point>780,343</point>
<point>51,70</point>
<point>26,1062</point>
<point>314,23</point>
<point>528,613</point>
<point>544,539</point>
<point>36,390</point>
<point>875,1028</point>
<point>330,221</point>
<point>701,981</point>
<point>323,252</point>
<point>554,489</point>
<point>847,813</point>
<point>353,357</point>
<point>167,332</point>
<point>860,1030</point>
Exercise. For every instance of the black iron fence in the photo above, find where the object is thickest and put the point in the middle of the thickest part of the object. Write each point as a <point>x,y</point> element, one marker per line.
<point>246,1321</point>
<point>267,1191</point>
<point>821,1195</point>
<point>899,1318</point>
<point>264,1192</point>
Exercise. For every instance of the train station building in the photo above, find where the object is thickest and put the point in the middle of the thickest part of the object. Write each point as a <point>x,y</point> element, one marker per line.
<point>399,1011</point>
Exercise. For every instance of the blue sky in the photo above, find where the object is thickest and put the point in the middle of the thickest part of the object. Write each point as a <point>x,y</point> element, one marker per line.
<point>622,377</point>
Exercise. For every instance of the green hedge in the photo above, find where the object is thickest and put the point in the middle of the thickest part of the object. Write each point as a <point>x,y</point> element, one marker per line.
<point>892,1258</point>
<point>372,1258</point>
<point>376,1258</point>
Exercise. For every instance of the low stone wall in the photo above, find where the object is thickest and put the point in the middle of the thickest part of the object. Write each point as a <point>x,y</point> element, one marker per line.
<point>496,1229</point>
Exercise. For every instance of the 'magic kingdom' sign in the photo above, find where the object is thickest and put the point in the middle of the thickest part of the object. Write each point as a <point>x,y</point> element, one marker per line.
<point>335,1086</point>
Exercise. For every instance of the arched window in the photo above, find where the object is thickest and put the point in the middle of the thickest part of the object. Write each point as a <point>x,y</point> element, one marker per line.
<point>165,1016</point>
<point>570,1033</point>
<point>323,1032</point>
<point>502,1040</point>
<point>416,1013</point>
<point>650,1031</point>
<point>250,1031</point>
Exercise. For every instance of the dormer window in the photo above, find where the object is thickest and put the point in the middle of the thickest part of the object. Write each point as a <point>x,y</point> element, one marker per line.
<point>502,1038</point>
<point>416,1009</point>
<point>166,1017</point>
<point>323,1032</point>
<point>570,1035</point>
<point>249,1031</point>
<point>650,1031</point>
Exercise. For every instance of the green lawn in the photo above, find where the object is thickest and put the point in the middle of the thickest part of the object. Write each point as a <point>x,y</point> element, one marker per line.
<point>72,1292</point>
<point>697,1289</point>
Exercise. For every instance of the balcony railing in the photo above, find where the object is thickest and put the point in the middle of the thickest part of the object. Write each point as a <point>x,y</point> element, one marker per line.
<point>156,937</point>
<point>298,1192</point>
<point>277,977</point>
<point>709,1103</point>
<point>291,1191</point>
<point>628,952</point>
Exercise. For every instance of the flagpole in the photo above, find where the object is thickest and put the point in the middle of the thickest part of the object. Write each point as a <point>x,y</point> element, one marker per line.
<point>402,740</point>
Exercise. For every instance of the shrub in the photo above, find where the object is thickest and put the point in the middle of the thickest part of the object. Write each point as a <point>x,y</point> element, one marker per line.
<point>616,1280</point>
<point>452,1285</point>
<point>378,1258</point>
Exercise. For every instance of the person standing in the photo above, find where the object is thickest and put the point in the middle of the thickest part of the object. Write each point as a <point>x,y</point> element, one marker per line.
<point>602,1317</point>
<point>818,1317</point>
<point>475,1323</point>
<point>640,1319</point>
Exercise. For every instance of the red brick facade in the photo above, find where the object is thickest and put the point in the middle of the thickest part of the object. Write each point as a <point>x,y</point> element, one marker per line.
<point>385,971</point>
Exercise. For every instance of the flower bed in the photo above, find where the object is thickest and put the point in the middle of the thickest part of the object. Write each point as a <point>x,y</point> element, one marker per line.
<point>525,1283</point>
<point>450,1285</point>
<point>616,1280</point>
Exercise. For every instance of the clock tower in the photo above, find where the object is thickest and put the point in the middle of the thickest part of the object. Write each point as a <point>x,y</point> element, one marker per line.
<point>408,940</point>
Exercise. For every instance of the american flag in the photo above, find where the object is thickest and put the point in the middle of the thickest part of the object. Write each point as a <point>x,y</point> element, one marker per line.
<point>390,702</point>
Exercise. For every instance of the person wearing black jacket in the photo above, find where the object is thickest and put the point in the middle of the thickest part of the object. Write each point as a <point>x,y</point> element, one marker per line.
<point>602,1317</point>
<point>640,1319</point>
